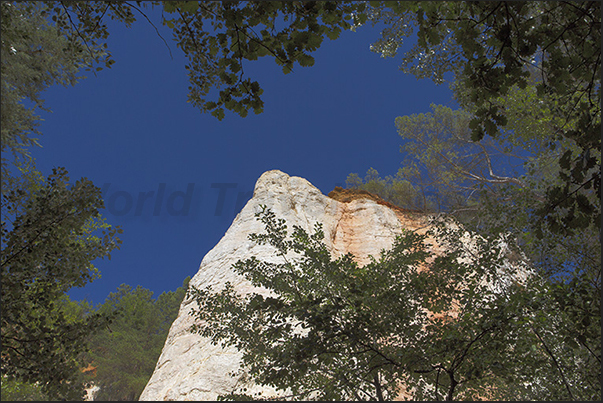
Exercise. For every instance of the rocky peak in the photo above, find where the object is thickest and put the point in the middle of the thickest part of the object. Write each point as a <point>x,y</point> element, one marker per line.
<point>190,367</point>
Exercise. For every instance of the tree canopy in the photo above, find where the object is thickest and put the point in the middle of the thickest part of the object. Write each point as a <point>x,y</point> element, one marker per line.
<point>124,354</point>
<point>493,48</point>
<point>120,357</point>
<point>51,233</point>
<point>533,171</point>
<point>218,38</point>
<point>472,322</point>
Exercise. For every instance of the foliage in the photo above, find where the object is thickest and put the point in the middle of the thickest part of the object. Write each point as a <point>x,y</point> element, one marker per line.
<point>285,31</point>
<point>445,171</point>
<point>218,37</point>
<point>125,353</point>
<point>500,184</point>
<point>527,344</point>
<point>493,47</point>
<point>51,230</point>
<point>396,189</point>
<point>521,165</point>
<point>455,174</point>
<point>34,57</point>
<point>51,233</point>
<point>472,322</point>
<point>19,391</point>
<point>563,319</point>
<point>318,335</point>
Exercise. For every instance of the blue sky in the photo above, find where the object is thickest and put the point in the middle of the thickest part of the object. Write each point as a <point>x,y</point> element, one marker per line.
<point>131,131</point>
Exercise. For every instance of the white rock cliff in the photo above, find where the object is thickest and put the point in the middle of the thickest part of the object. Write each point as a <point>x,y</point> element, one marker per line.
<point>190,367</point>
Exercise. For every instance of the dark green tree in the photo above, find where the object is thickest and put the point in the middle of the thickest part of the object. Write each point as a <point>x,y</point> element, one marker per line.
<point>51,233</point>
<point>34,56</point>
<point>393,189</point>
<point>447,326</point>
<point>122,355</point>
<point>492,47</point>
<point>318,336</point>
<point>125,353</point>
<point>506,337</point>
<point>52,230</point>
<point>496,186</point>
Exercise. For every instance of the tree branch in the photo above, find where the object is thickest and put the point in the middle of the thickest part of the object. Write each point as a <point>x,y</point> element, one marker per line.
<point>550,353</point>
<point>378,387</point>
<point>153,25</point>
<point>78,32</point>
<point>499,179</point>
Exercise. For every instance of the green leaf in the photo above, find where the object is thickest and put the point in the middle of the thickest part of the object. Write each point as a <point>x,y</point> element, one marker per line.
<point>333,34</point>
<point>188,6</point>
<point>305,60</point>
<point>218,113</point>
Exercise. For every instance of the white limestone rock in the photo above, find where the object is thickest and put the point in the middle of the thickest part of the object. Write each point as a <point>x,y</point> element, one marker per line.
<point>190,367</point>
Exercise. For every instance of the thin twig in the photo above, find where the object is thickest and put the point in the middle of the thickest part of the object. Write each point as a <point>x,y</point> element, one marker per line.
<point>78,33</point>
<point>153,25</point>
<point>550,353</point>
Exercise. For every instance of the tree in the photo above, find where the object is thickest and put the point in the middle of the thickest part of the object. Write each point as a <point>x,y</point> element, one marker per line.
<point>527,76</point>
<point>493,197</point>
<point>34,57</point>
<point>51,233</point>
<point>120,357</point>
<point>396,190</point>
<point>318,335</point>
<point>493,47</point>
<point>51,230</point>
<point>125,353</point>
<point>13,391</point>
<point>518,336</point>
<point>441,326</point>
<point>444,170</point>
<point>507,195</point>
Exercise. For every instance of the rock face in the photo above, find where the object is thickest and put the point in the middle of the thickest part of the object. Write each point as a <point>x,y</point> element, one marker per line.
<point>190,367</point>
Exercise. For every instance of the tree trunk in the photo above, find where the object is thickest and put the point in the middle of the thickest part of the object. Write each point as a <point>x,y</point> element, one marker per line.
<point>378,387</point>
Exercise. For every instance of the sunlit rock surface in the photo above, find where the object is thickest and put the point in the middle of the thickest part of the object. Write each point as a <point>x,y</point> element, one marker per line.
<point>190,368</point>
